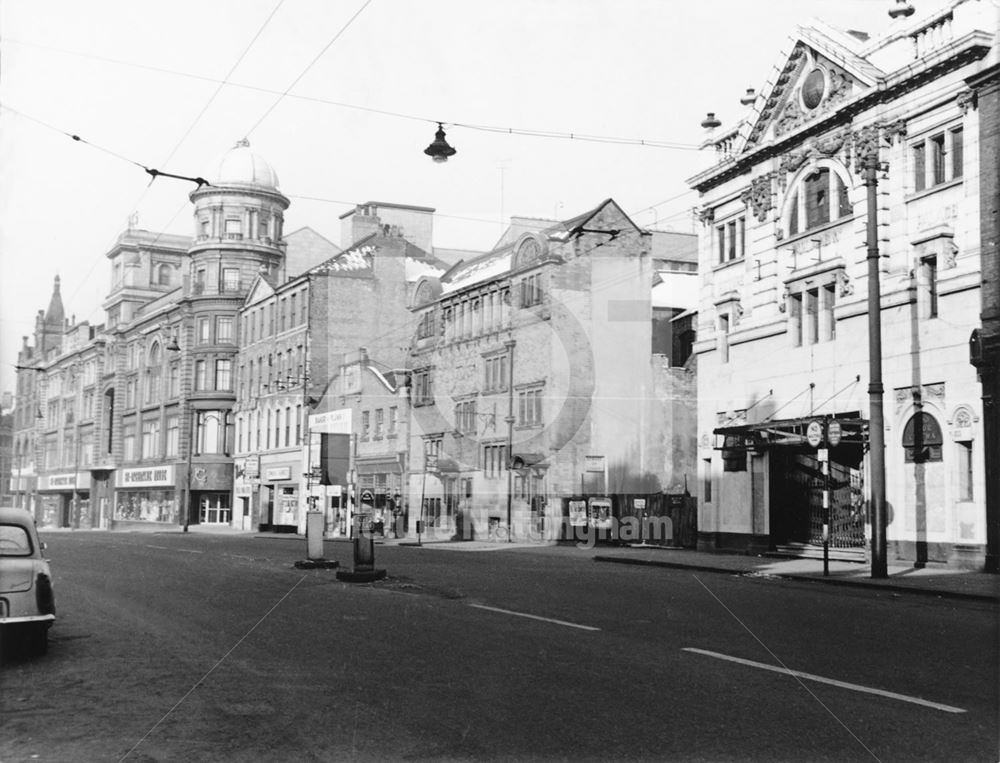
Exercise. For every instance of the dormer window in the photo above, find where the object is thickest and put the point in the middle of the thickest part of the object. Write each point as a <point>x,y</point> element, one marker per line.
<point>820,198</point>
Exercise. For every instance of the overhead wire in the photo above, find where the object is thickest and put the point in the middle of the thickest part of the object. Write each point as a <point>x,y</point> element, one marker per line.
<point>309,66</point>
<point>527,132</point>
<point>177,145</point>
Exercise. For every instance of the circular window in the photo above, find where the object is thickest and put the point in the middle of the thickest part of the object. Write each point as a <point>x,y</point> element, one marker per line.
<point>813,88</point>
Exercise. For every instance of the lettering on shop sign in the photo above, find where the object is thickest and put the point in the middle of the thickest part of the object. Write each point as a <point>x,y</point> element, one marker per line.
<point>146,475</point>
<point>62,480</point>
<point>154,475</point>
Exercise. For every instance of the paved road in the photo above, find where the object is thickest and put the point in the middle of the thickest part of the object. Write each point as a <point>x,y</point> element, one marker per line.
<point>197,647</point>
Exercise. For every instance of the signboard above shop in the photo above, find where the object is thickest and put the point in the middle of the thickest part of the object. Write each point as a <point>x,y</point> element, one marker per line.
<point>331,422</point>
<point>146,476</point>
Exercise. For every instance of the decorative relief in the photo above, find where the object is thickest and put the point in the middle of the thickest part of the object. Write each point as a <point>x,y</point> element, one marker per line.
<point>759,196</point>
<point>966,99</point>
<point>845,286</point>
<point>783,300</point>
<point>895,131</point>
<point>706,215</point>
<point>865,141</point>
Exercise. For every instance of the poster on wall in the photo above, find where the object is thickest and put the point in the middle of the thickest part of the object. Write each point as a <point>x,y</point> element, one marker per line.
<point>577,513</point>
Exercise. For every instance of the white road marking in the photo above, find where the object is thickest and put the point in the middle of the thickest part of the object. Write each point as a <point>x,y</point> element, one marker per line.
<point>536,617</point>
<point>830,681</point>
<point>185,550</point>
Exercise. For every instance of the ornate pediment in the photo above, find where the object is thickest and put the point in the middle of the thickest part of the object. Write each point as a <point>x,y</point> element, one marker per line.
<point>810,86</point>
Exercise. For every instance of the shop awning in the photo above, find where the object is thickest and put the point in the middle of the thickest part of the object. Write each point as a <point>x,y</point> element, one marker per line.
<point>525,460</point>
<point>793,432</point>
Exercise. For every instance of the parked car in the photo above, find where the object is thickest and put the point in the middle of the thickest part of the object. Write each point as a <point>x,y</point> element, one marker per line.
<point>27,600</point>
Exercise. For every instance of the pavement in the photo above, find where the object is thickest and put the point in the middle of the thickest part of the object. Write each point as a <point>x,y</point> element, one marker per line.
<point>903,577</point>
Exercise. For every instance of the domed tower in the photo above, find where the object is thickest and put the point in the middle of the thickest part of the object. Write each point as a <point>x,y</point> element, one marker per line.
<point>238,224</point>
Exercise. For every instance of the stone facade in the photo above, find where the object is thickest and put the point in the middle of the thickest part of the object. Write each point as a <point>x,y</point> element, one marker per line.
<point>783,316</point>
<point>531,381</point>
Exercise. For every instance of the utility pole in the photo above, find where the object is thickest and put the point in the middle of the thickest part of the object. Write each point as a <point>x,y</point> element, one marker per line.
<point>868,140</point>
<point>510,437</point>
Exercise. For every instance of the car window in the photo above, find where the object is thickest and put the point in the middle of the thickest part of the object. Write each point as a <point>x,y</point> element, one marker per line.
<point>14,541</point>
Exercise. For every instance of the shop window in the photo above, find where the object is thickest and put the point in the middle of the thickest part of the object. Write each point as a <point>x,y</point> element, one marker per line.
<point>922,441</point>
<point>214,509</point>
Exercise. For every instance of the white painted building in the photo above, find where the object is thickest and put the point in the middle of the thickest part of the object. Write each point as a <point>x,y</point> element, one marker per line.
<point>783,316</point>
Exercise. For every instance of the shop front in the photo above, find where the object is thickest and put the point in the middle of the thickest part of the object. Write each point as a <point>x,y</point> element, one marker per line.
<point>211,494</point>
<point>145,496</point>
<point>801,482</point>
<point>379,484</point>
<point>64,500</point>
<point>279,498</point>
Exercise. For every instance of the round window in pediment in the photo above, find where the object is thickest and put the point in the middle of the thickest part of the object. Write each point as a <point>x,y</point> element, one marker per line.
<point>814,88</point>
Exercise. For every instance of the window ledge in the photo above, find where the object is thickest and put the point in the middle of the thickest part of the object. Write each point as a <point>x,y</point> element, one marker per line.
<point>728,263</point>
<point>917,195</point>
<point>806,234</point>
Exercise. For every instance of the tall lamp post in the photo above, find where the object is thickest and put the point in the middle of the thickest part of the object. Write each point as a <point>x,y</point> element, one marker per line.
<point>510,438</point>
<point>868,158</point>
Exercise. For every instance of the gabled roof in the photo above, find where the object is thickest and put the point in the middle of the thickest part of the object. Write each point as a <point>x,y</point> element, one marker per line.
<point>500,261</point>
<point>264,285</point>
<point>352,262</point>
<point>845,74</point>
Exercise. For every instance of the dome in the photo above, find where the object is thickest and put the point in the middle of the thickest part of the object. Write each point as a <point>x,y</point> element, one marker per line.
<point>241,166</point>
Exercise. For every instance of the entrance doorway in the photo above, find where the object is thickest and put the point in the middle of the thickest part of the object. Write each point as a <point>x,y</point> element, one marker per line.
<point>797,482</point>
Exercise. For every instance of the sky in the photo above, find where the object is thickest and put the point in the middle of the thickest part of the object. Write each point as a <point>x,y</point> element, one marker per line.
<point>341,97</point>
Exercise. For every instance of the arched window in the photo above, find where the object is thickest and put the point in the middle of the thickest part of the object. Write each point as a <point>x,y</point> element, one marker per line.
<point>922,439</point>
<point>820,197</point>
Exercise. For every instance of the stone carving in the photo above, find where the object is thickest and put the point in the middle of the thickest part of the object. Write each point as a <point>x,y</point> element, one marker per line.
<point>966,99</point>
<point>706,215</point>
<point>845,286</point>
<point>865,141</point>
<point>783,300</point>
<point>759,196</point>
<point>791,117</point>
<point>895,130</point>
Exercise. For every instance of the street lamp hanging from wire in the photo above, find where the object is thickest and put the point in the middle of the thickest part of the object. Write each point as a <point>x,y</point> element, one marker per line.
<point>439,150</point>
